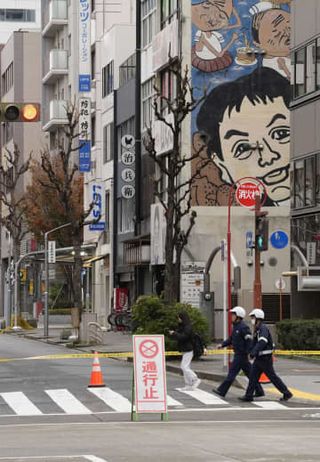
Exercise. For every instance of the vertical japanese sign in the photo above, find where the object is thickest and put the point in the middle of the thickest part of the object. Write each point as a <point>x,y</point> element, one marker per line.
<point>51,251</point>
<point>127,172</point>
<point>84,134</point>
<point>98,200</point>
<point>84,46</point>
<point>149,373</point>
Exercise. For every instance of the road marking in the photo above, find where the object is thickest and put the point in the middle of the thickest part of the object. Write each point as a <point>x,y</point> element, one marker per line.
<point>113,399</point>
<point>298,394</point>
<point>20,403</point>
<point>203,396</point>
<point>270,405</point>
<point>69,403</point>
<point>48,458</point>
<point>95,459</point>
<point>173,402</point>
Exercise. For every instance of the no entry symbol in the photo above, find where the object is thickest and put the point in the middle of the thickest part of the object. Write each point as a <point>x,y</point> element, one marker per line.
<point>149,349</point>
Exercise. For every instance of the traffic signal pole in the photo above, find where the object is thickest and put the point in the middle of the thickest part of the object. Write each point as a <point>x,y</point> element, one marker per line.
<point>257,298</point>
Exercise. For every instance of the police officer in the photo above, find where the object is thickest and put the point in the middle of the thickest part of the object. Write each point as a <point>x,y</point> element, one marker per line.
<point>240,340</point>
<point>262,354</point>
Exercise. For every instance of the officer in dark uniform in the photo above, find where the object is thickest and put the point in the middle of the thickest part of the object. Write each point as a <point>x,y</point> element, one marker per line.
<point>241,340</point>
<point>262,354</point>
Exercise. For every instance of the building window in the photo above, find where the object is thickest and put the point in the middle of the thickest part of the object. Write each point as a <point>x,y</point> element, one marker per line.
<point>93,63</point>
<point>127,70</point>
<point>299,65</point>
<point>306,63</point>
<point>306,182</point>
<point>306,235</point>
<point>107,79</point>
<point>108,145</point>
<point>168,87</point>
<point>317,180</point>
<point>168,11</point>
<point>147,94</point>
<point>7,79</point>
<point>310,67</point>
<point>309,182</point>
<point>93,131</point>
<point>17,15</point>
<point>148,17</point>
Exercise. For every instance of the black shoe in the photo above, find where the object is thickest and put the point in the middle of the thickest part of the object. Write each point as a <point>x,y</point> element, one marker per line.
<point>245,398</point>
<point>217,392</point>
<point>258,394</point>
<point>286,396</point>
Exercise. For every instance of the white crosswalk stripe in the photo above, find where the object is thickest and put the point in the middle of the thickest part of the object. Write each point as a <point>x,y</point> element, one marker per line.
<point>113,399</point>
<point>69,403</point>
<point>271,405</point>
<point>173,402</point>
<point>204,397</point>
<point>20,404</point>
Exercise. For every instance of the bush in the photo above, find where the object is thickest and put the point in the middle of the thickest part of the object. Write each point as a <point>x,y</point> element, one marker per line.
<point>299,334</point>
<point>151,315</point>
<point>60,311</point>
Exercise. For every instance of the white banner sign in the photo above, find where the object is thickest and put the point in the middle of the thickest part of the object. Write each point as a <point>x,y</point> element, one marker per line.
<point>85,119</point>
<point>51,251</point>
<point>149,373</point>
<point>84,45</point>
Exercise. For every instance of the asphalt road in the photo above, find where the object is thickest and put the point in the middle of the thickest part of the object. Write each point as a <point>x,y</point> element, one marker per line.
<point>46,410</point>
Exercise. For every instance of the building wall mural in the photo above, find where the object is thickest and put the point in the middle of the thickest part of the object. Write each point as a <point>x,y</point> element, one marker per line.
<point>240,58</point>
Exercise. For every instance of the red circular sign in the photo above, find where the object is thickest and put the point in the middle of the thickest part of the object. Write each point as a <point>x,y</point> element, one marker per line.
<point>149,349</point>
<point>246,193</point>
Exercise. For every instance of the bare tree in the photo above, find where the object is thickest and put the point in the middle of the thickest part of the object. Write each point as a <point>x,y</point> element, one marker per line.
<point>180,177</point>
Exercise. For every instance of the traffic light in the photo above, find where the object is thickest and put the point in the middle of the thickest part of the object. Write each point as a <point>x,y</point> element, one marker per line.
<point>262,232</point>
<point>19,112</point>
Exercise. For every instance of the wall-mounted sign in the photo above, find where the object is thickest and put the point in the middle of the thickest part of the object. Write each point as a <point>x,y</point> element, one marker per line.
<point>128,158</point>
<point>128,191</point>
<point>51,251</point>
<point>127,174</point>
<point>279,239</point>
<point>84,156</point>
<point>128,141</point>
<point>84,45</point>
<point>98,200</point>
<point>85,119</point>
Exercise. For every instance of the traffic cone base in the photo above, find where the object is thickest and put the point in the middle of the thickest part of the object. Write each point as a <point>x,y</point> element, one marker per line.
<point>96,379</point>
<point>264,378</point>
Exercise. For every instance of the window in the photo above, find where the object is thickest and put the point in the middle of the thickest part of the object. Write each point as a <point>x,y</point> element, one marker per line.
<point>147,93</point>
<point>317,180</point>
<point>125,216</point>
<point>93,63</point>
<point>305,234</point>
<point>127,70</point>
<point>306,182</point>
<point>306,63</point>
<point>148,17</point>
<point>299,62</point>
<point>309,181</point>
<point>17,15</point>
<point>318,63</point>
<point>168,10</point>
<point>108,145</point>
<point>310,67</point>
<point>7,79</point>
<point>168,87</point>
<point>93,131</point>
<point>107,79</point>
<point>299,184</point>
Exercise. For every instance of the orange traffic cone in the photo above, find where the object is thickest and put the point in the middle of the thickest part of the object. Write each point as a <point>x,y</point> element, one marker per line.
<point>264,378</point>
<point>96,379</point>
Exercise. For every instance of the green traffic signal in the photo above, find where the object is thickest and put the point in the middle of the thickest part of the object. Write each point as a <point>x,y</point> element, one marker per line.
<point>262,233</point>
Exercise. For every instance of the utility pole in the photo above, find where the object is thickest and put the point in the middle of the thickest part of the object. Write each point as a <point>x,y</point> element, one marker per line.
<point>261,244</point>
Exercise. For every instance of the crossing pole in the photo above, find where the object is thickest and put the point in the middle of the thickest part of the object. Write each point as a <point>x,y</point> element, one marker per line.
<point>257,299</point>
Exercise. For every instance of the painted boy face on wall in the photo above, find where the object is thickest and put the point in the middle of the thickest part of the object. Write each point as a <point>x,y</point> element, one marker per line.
<point>274,32</point>
<point>212,14</point>
<point>269,125</point>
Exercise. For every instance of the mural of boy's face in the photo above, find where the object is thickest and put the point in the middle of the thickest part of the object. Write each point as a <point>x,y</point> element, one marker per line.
<point>274,33</point>
<point>212,14</point>
<point>269,125</point>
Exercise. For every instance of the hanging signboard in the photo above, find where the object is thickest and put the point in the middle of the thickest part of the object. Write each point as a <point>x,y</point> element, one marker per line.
<point>149,373</point>
<point>98,200</point>
<point>84,46</point>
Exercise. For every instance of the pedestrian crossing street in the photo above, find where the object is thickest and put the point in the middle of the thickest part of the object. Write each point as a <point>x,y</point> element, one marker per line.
<point>105,400</point>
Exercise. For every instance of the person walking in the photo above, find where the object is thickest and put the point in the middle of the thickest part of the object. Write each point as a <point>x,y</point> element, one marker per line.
<point>241,340</point>
<point>184,336</point>
<point>262,354</point>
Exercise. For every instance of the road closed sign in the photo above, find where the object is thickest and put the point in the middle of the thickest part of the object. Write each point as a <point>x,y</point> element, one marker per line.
<point>149,373</point>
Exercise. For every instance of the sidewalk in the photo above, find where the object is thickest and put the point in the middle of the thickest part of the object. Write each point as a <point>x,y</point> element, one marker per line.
<point>301,375</point>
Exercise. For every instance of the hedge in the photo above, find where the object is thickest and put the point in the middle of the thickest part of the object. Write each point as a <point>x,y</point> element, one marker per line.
<point>151,315</point>
<point>299,334</point>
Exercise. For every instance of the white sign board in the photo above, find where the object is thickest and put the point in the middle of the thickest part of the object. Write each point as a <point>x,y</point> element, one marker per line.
<point>84,45</point>
<point>192,283</point>
<point>51,251</point>
<point>311,252</point>
<point>85,119</point>
<point>149,373</point>
<point>280,284</point>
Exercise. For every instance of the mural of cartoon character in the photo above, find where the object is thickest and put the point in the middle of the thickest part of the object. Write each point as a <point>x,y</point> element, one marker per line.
<point>235,118</point>
<point>271,33</point>
<point>209,53</point>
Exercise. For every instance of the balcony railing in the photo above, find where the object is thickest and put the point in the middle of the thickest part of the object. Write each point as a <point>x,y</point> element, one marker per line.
<point>55,17</point>
<point>56,66</point>
<point>57,115</point>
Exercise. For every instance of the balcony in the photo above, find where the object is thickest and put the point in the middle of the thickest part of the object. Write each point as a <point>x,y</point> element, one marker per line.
<point>56,67</point>
<point>57,115</point>
<point>55,17</point>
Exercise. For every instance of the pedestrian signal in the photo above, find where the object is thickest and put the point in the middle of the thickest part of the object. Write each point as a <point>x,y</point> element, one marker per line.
<point>262,233</point>
<point>19,112</point>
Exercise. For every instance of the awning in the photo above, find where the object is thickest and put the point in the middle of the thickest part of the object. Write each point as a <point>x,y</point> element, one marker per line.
<point>87,263</point>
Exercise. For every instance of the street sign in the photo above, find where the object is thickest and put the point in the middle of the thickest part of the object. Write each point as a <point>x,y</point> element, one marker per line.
<point>249,240</point>
<point>280,284</point>
<point>279,240</point>
<point>149,373</point>
<point>51,251</point>
<point>246,193</point>
<point>311,252</point>
<point>128,141</point>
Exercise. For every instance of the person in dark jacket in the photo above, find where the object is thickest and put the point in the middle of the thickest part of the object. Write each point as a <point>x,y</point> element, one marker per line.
<point>262,354</point>
<point>184,336</point>
<point>241,340</point>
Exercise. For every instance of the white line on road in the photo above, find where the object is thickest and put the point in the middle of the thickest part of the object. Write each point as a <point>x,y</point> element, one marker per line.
<point>173,402</point>
<point>203,396</point>
<point>270,405</point>
<point>69,403</point>
<point>113,399</point>
<point>20,403</point>
<point>95,459</point>
<point>47,458</point>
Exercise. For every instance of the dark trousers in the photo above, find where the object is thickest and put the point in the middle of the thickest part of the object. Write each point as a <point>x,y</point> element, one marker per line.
<point>264,364</point>
<point>240,362</point>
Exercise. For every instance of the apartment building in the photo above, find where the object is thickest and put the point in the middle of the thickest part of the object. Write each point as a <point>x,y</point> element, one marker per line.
<point>19,15</point>
<point>305,158</point>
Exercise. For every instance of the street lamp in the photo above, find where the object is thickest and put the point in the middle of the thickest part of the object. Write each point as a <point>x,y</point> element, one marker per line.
<point>46,270</point>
